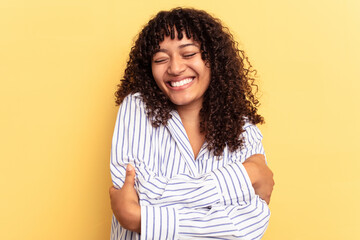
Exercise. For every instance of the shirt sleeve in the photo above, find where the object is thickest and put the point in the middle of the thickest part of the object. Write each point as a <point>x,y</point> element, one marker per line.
<point>218,222</point>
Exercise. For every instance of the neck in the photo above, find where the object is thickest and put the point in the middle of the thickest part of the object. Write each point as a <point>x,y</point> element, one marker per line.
<point>189,114</point>
<point>191,122</point>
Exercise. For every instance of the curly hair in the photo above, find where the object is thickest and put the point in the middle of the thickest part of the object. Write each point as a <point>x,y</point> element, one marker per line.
<point>228,101</point>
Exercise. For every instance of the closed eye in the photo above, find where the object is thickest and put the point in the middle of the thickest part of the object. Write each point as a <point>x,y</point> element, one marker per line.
<point>190,55</point>
<point>161,60</point>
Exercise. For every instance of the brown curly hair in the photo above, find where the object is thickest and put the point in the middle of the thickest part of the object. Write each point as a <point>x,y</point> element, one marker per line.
<point>228,101</point>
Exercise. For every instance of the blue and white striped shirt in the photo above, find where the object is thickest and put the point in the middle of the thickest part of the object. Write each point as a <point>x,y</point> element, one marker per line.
<point>181,197</point>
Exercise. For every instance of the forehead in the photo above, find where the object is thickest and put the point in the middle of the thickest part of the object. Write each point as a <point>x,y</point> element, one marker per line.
<point>174,43</point>
<point>177,43</point>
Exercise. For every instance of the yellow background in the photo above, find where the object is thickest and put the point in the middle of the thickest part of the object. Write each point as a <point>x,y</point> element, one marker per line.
<point>60,61</point>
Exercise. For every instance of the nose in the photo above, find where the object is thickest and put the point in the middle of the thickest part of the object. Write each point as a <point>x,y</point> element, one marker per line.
<point>176,66</point>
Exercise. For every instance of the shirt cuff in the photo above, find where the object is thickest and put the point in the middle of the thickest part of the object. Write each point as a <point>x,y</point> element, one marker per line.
<point>233,184</point>
<point>158,223</point>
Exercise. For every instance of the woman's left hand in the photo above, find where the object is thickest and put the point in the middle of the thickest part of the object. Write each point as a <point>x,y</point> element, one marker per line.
<point>262,178</point>
<point>125,203</point>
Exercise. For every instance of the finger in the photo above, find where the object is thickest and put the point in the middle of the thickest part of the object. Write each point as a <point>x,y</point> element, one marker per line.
<point>259,158</point>
<point>113,189</point>
<point>130,175</point>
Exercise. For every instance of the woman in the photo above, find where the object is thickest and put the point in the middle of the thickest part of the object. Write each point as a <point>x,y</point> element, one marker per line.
<point>187,159</point>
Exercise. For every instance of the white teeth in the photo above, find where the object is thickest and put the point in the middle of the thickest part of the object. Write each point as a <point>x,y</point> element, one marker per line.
<point>181,83</point>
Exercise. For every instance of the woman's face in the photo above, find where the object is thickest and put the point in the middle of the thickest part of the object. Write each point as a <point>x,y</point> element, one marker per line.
<point>180,72</point>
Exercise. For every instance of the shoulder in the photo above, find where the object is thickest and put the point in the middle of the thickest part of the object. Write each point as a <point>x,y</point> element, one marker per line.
<point>132,97</point>
<point>251,131</point>
<point>132,105</point>
<point>134,100</point>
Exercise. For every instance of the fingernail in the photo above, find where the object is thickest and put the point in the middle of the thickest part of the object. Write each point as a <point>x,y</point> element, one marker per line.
<point>129,168</point>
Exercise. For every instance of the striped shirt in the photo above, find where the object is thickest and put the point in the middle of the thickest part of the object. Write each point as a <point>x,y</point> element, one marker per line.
<point>209,197</point>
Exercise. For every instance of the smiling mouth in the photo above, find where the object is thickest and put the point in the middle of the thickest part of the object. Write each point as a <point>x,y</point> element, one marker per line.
<point>181,83</point>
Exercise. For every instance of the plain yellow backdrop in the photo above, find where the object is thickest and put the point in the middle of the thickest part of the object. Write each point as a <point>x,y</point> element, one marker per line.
<point>60,61</point>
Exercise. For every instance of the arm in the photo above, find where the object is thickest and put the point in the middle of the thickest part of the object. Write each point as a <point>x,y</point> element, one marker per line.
<point>221,222</point>
<point>218,222</point>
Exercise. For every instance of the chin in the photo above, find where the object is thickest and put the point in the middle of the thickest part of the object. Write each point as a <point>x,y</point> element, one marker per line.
<point>179,102</point>
<point>182,101</point>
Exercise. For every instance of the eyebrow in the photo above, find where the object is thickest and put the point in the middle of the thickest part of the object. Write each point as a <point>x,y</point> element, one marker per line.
<point>181,46</point>
<point>188,44</point>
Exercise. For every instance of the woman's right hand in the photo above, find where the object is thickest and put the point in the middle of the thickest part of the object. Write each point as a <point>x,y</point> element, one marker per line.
<point>125,203</point>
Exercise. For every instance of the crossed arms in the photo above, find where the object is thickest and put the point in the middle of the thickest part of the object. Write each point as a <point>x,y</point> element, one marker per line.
<point>223,203</point>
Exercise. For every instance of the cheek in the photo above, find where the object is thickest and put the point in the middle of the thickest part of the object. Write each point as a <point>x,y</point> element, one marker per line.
<point>207,77</point>
<point>158,77</point>
<point>155,73</point>
<point>201,68</point>
<point>158,70</point>
<point>206,72</point>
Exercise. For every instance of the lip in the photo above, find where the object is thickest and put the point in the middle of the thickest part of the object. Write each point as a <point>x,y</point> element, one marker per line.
<point>178,79</point>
